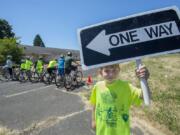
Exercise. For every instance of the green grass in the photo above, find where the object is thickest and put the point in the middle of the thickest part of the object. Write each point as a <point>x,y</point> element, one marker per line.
<point>6,131</point>
<point>164,83</point>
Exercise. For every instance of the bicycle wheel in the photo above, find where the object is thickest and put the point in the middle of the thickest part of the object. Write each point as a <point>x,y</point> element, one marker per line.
<point>4,78</point>
<point>22,76</point>
<point>68,82</point>
<point>7,76</point>
<point>53,78</point>
<point>46,78</point>
<point>16,75</point>
<point>43,77</point>
<point>34,77</point>
<point>59,81</point>
<point>29,76</point>
<point>79,76</point>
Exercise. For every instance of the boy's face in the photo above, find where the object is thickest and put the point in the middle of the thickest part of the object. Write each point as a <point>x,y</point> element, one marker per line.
<point>110,73</point>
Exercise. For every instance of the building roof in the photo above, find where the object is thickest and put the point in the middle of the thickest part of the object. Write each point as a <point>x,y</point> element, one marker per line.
<point>54,52</point>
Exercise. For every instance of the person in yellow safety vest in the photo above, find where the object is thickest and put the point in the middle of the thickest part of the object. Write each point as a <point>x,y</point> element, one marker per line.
<point>39,65</point>
<point>28,64</point>
<point>23,65</point>
<point>52,66</point>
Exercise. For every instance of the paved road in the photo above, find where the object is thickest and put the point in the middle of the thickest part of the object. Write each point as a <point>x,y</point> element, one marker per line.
<point>39,109</point>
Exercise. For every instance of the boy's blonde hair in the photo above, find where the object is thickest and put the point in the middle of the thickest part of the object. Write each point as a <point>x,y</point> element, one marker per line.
<point>115,66</point>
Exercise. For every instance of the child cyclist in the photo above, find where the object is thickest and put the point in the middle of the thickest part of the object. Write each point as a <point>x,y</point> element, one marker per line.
<point>61,61</point>
<point>111,100</point>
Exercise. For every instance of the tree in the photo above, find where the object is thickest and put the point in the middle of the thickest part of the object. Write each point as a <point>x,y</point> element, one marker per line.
<point>9,46</point>
<point>38,41</point>
<point>5,30</point>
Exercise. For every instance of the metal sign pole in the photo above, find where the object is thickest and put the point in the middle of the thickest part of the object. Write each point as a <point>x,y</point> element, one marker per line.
<point>144,85</point>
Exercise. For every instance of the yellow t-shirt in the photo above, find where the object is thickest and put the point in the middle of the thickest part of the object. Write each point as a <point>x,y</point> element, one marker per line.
<point>113,102</point>
<point>52,64</point>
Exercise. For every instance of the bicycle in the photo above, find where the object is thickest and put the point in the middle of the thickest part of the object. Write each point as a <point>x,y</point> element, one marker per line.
<point>16,73</point>
<point>74,78</point>
<point>4,74</point>
<point>59,80</point>
<point>25,75</point>
<point>68,82</point>
<point>49,78</point>
<point>35,76</point>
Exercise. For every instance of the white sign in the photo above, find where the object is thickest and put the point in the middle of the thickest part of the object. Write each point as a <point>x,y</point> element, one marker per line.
<point>139,35</point>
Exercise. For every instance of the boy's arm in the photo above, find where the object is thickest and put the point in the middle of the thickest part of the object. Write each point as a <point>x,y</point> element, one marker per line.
<point>93,104</point>
<point>93,121</point>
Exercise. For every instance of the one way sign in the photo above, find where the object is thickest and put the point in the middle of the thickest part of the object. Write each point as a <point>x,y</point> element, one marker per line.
<point>147,34</point>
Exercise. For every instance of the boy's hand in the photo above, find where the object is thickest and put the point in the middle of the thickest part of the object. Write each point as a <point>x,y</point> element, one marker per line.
<point>142,72</point>
<point>93,124</point>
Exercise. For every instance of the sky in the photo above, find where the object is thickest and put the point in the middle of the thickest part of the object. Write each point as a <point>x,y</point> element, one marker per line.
<point>57,21</point>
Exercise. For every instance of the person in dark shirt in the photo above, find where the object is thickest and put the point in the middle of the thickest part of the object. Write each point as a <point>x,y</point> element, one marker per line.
<point>68,65</point>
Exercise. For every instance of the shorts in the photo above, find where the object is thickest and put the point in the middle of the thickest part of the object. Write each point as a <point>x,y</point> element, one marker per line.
<point>69,69</point>
<point>61,71</point>
<point>10,71</point>
<point>50,70</point>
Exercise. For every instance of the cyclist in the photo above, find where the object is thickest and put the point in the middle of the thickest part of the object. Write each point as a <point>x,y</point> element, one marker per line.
<point>28,63</point>
<point>39,65</point>
<point>52,66</point>
<point>61,61</point>
<point>69,63</point>
<point>23,65</point>
<point>9,65</point>
<point>28,66</point>
<point>22,69</point>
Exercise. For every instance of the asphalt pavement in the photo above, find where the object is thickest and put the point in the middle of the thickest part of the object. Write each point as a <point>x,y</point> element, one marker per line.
<point>39,109</point>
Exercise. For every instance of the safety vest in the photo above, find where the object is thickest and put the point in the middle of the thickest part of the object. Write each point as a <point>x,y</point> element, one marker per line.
<point>23,66</point>
<point>28,64</point>
<point>39,64</point>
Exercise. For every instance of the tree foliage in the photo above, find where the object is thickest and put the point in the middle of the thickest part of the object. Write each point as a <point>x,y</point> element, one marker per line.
<point>38,41</point>
<point>9,46</point>
<point>5,30</point>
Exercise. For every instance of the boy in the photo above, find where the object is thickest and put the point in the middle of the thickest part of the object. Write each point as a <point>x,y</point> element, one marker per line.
<point>61,65</point>
<point>9,65</point>
<point>111,100</point>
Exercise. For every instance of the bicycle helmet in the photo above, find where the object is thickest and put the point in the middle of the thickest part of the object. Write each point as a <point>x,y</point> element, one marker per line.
<point>69,54</point>
<point>9,57</point>
<point>28,57</point>
<point>22,61</point>
<point>40,57</point>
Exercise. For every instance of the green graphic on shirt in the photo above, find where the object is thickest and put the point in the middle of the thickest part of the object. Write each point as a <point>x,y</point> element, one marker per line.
<point>111,117</point>
<point>125,117</point>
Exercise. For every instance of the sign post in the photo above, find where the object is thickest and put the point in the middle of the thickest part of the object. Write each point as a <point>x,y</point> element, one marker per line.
<point>144,85</point>
<point>134,37</point>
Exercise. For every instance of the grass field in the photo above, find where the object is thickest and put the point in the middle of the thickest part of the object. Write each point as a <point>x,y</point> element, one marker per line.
<point>164,83</point>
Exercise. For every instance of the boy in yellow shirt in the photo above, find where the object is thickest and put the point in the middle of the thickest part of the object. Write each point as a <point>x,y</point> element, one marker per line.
<point>111,100</point>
